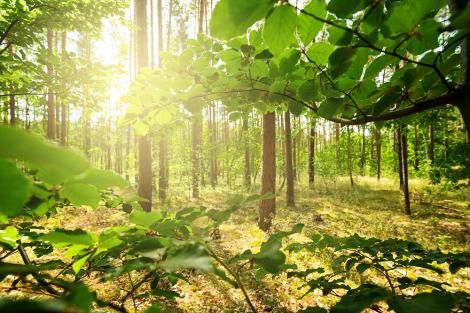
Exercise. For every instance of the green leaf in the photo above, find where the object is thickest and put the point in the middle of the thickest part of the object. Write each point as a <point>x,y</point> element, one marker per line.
<point>9,235</point>
<point>68,237</point>
<point>320,52</point>
<point>378,65</point>
<point>77,265</point>
<point>313,310</point>
<point>81,194</point>
<point>309,27</point>
<point>141,128</point>
<point>145,219</point>
<point>343,8</point>
<point>190,256</point>
<point>101,179</point>
<point>434,302</point>
<point>55,164</point>
<point>232,17</point>
<point>306,91</point>
<point>15,189</point>
<point>360,298</point>
<point>296,108</point>
<point>329,107</point>
<point>386,101</point>
<point>279,28</point>
<point>264,55</point>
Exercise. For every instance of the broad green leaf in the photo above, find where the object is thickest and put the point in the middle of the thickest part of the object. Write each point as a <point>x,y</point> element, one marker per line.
<point>68,237</point>
<point>378,65</point>
<point>386,101</point>
<point>264,55</point>
<point>308,27</point>
<point>77,265</point>
<point>296,108</point>
<point>343,8</point>
<point>434,302</point>
<point>14,188</point>
<point>57,164</point>
<point>145,219</point>
<point>288,61</point>
<point>279,28</point>
<point>319,52</point>
<point>306,91</point>
<point>81,194</point>
<point>141,128</point>
<point>189,256</point>
<point>101,179</point>
<point>329,107</point>
<point>359,299</point>
<point>9,235</point>
<point>341,56</point>
<point>232,17</point>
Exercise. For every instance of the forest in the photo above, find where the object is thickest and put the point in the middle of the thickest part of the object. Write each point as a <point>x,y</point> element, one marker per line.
<point>282,156</point>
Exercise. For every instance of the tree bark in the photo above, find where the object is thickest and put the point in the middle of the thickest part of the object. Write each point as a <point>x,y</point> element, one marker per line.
<point>290,197</point>
<point>145,148</point>
<point>350,157</point>
<point>50,95</point>
<point>399,151</point>
<point>379,152</point>
<point>363,151</point>
<point>416,148</point>
<point>404,168</point>
<point>268,176</point>
<point>311,155</point>
<point>431,143</point>
<point>247,172</point>
<point>63,108</point>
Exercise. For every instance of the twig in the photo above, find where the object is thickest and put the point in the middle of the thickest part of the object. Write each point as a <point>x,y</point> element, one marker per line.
<point>235,276</point>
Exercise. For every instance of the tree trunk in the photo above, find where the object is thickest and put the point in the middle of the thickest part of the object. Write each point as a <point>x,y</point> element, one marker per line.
<point>145,149</point>
<point>290,200</point>
<point>416,148</point>
<point>50,94</point>
<point>431,143</point>
<point>350,156</point>
<point>247,172</point>
<point>311,155</point>
<point>268,176</point>
<point>63,109</point>
<point>363,151</point>
<point>379,148</point>
<point>400,154</point>
<point>338,151</point>
<point>404,168</point>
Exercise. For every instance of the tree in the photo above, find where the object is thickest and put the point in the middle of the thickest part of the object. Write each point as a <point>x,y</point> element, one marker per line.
<point>290,201</point>
<point>267,207</point>
<point>50,94</point>
<point>311,153</point>
<point>145,149</point>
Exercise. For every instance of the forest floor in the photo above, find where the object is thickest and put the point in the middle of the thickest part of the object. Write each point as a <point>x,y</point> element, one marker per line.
<point>371,209</point>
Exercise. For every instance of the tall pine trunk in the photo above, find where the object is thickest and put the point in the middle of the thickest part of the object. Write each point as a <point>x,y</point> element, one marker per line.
<point>50,94</point>
<point>311,155</point>
<point>399,151</point>
<point>63,108</point>
<point>379,152</point>
<point>416,148</point>
<point>404,168</point>
<point>145,148</point>
<point>268,177</point>
<point>247,172</point>
<point>431,143</point>
<point>290,200</point>
<point>351,180</point>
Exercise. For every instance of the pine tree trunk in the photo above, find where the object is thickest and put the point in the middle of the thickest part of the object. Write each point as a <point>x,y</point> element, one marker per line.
<point>404,168</point>
<point>416,148</point>
<point>290,200</point>
<point>63,109</point>
<point>363,151</point>
<point>399,151</point>
<point>145,149</point>
<point>247,172</point>
<point>268,176</point>
<point>379,148</point>
<point>311,155</point>
<point>431,143</point>
<point>50,94</point>
<point>350,156</point>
